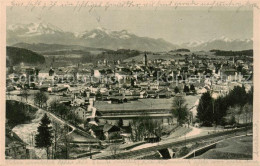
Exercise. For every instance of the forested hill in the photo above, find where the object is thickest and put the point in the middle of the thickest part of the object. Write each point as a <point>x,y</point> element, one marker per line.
<point>233,53</point>
<point>15,55</point>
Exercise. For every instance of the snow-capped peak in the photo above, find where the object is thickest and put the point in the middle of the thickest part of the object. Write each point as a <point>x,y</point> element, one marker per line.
<point>193,43</point>
<point>35,28</point>
<point>225,39</point>
<point>101,28</point>
<point>248,40</point>
<point>228,40</point>
<point>101,32</point>
<point>222,43</point>
<point>77,34</point>
<point>124,32</point>
<point>14,27</point>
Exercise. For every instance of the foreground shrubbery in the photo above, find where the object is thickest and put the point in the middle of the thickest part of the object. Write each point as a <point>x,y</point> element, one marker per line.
<point>212,111</point>
<point>18,113</point>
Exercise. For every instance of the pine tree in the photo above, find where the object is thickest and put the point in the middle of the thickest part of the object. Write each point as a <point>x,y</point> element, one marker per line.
<point>205,110</point>
<point>43,139</point>
<point>176,90</point>
<point>250,96</point>
<point>192,88</point>
<point>238,96</point>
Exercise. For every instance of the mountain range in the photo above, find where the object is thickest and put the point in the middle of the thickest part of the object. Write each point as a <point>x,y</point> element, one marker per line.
<point>104,38</point>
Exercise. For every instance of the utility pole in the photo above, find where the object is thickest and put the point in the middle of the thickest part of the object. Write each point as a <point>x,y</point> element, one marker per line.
<point>213,101</point>
<point>185,139</point>
<point>214,114</point>
<point>55,140</point>
<point>90,152</point>
<point>32,134</point>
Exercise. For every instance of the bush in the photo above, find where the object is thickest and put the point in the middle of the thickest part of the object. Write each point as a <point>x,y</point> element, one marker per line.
<point>18,113</point>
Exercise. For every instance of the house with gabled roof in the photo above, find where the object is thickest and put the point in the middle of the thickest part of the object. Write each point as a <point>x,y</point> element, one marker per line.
<point>15,147</point>
<point>111,131</point>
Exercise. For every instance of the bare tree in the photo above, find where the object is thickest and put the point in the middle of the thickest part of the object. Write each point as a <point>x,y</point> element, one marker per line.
<point>40,98</point>
<point>54,105</point>
<point>113,148</point>
<point>179,109</point>
<point>25,93</point>
<point>143,127</point>
<point>55,135</point>
<point>248,112</point>
<point>63,144</point>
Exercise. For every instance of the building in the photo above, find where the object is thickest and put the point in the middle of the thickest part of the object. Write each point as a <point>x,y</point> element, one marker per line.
<point>86,112</point>
<point>111,131</point>
<point>51,72</point>
<point>15,148</point>
<point>81,112</point>
<point>156,109</point>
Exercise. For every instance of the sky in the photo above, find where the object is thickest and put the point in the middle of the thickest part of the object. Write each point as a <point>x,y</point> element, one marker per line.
<point>184,24</point>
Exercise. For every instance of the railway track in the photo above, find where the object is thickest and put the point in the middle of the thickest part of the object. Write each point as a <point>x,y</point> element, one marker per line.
<point>139,152</point>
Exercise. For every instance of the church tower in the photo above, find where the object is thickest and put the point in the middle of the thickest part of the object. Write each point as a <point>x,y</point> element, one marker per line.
<point>145,59</point>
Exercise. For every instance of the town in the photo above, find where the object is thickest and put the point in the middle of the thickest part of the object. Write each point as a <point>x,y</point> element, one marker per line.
<point>107,103</point>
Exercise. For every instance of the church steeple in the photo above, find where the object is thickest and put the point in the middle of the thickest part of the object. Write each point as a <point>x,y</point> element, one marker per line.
<point>145,59</point>
<point>51,71</point>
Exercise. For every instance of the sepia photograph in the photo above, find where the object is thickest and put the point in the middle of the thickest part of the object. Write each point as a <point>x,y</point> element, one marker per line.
<point>139,83</point>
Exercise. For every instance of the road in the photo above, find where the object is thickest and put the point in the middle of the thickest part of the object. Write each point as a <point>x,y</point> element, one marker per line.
<point>80,133</point>
<point>51,115</point>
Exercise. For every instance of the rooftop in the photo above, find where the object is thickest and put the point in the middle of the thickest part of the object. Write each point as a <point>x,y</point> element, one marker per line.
<point>143,104</point>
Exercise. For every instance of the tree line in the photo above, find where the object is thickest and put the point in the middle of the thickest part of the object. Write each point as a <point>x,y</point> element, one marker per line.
<point>220,111</point>
<point>59,109</point>
<point>18,113</point>
<point>233,53</point>
<point>17,55</point>
<point>64,112</point>
<point>144,127</point>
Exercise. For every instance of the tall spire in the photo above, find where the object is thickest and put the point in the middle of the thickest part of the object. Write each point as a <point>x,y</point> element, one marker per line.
<point>145,59</point>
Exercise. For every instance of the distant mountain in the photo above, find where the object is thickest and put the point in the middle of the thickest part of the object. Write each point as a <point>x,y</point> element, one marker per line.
<point>222,43</point>
<point>38,33</point>
<point>123,40</point>
<point>34,29</point>
<point>97,38</point>
<point>16,56</point>
<point>104,38</point>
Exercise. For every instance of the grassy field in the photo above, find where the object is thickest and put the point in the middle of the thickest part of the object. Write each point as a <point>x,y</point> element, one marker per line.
<point>235,148</point>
